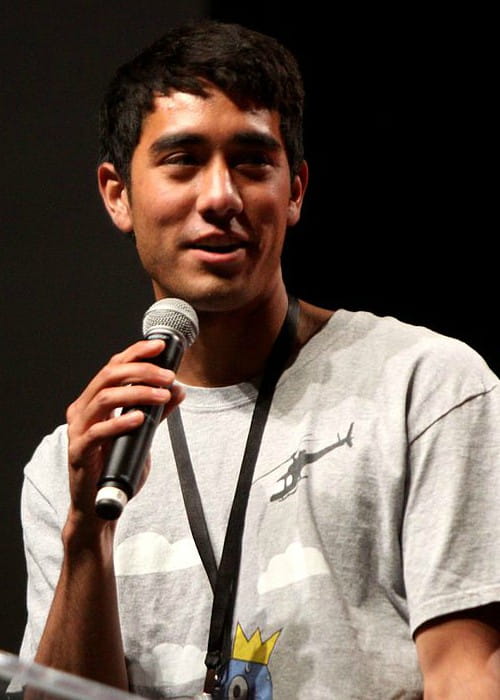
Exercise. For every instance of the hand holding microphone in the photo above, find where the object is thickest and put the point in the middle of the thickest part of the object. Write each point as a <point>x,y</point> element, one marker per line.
<point>175,322</point>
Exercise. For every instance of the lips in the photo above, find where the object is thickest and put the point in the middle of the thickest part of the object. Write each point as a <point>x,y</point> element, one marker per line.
<point>222,251</point>
<point>219,243</point>
<point>220,248</point>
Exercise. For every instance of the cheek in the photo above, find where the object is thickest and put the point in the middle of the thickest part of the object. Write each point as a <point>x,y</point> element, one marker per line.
<point>274,220</point>
<point>270,206</point>
<point>155,214</point>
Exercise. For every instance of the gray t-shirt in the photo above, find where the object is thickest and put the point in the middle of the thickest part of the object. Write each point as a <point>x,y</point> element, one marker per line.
<point>374,508</point>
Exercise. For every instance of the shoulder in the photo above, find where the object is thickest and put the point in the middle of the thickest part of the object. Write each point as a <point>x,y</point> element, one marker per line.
<point>396,361</point>
<point>390,342</point>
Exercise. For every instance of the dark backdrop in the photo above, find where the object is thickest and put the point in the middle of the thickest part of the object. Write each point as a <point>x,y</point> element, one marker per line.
<point>398,220</point>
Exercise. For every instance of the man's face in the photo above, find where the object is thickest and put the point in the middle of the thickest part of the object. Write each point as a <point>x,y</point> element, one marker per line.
<point>210,199</point>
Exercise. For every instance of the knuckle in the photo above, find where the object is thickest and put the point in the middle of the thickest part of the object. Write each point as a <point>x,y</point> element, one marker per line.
<point>116,357</point>
<point>93,433</point>
<point>102,400</point>
<point>107,373</point>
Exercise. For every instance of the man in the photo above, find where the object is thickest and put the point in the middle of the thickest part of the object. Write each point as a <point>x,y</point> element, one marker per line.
<point>369,552</point>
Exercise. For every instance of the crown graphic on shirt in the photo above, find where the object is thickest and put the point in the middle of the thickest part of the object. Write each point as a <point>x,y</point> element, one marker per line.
<point>253,649</point>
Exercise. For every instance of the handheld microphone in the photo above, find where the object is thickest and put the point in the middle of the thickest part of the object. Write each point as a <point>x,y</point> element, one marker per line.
<point>175,322</point>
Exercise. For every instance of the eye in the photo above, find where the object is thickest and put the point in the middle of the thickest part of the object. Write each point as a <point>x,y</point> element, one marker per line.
<point>179,166</point>
<point>238,689</point>
<point>179,159</point>
<point>254,165</point>
<point>252,158</point>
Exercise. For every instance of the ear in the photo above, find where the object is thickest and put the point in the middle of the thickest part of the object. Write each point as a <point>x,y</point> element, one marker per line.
<point>115,196</point>
<point>299,185</point>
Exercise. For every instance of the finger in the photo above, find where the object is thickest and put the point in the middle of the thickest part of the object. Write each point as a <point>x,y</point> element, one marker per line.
<point>119,375</point>
<point>98,418</point>
<point>85,447</point>
<point>177,395</point>
<point>141,350</point>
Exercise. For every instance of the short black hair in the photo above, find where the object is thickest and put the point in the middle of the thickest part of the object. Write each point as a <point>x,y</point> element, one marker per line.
<point>250,67</point>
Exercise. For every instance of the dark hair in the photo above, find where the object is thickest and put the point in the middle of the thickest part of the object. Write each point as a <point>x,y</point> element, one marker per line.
<point>250,67</point>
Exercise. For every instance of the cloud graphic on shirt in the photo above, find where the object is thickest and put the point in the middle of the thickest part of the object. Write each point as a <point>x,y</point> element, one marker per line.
<point>169,665</point>
<point>150,553</point>
<point>295,564</point>
<point>175,665</point>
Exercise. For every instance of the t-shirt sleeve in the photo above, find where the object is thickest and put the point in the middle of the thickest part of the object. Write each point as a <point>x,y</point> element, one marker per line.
<point>451,530</point>
<point>44,505</point>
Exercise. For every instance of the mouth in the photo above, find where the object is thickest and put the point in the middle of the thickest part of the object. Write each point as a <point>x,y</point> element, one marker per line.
<point>220,249</point>
<point>220,252</point>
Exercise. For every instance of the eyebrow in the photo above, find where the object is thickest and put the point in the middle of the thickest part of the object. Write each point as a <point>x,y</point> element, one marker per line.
<point>188,138</point>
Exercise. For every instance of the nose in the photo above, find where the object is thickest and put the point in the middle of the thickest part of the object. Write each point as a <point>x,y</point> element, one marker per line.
<point>219,198</point>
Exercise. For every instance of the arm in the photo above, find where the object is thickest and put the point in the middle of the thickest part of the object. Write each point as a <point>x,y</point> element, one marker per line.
<point>82,634</point>
<point>460,655</point>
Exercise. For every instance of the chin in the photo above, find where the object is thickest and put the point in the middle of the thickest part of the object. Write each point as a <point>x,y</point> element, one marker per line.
<point>210,297</point>
<point>219,301</point>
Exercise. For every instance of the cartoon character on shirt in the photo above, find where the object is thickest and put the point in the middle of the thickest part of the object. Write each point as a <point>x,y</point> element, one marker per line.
<point>247,676</point>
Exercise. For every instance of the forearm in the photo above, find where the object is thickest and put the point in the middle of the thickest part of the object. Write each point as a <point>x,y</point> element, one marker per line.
<point>480,684</point>
<point>82,634</point>
<point>460,656</point>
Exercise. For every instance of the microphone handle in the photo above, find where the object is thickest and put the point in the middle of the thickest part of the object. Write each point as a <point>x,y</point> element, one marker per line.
<point>123,470</point>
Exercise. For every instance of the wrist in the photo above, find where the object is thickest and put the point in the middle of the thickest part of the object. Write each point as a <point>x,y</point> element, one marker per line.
<point>88,533</point>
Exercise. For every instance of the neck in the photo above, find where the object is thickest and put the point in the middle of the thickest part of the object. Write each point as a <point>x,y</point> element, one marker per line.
<point>233,346</point>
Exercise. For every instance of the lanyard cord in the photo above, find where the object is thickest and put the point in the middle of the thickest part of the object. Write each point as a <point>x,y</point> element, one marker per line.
<point>224,579</point>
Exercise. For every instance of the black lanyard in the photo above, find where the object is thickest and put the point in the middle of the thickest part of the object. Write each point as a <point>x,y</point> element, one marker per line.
<point>224,579</point>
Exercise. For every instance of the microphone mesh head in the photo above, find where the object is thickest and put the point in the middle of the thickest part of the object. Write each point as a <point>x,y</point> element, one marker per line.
<point>174,315</point>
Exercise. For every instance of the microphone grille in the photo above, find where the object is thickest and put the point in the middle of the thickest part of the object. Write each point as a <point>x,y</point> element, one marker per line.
<point>171,314</point>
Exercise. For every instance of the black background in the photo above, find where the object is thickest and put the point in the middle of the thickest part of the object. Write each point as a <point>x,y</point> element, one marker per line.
<point>399,216</point>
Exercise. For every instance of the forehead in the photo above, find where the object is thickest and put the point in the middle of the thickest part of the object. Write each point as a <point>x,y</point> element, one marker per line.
<point>214,116</point>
